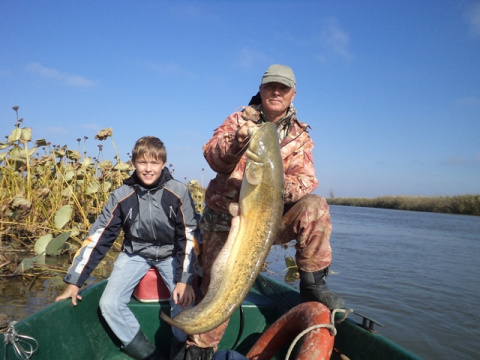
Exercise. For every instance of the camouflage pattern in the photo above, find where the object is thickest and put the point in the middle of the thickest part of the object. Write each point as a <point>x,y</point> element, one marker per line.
<point>306,217</point>
<point>228,159</point>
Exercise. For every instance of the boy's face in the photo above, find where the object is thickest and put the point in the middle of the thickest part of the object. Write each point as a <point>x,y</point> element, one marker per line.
<point>148,169</point>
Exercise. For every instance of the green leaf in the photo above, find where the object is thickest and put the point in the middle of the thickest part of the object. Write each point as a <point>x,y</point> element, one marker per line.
<point>107,185</point>
<point>41,142</point>
<point>87,162</point>
<point>69,175</point>
<point>27,264</point>
<point>20,154</point>
<point>41,244</point>
<point>121,166</point>
<point>24,265</point>
<point>59,153</point>
<point>19,202</point>
<point>92,188</point>
<point>292,275</point>
<point>105,165</point>
<point>14,135</point>
<point>290,262</point>
<point>63,216</point>
<point>26,134</point>
<point>73,155</point>
<point>56,245</point>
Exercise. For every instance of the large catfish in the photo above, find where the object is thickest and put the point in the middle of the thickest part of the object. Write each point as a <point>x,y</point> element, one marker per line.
<point>250,238</point>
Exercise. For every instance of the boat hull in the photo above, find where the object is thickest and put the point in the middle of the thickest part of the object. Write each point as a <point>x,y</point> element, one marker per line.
<point>67,332</point>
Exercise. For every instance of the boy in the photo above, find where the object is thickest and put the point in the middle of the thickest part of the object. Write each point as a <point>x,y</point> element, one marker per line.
<point>157,215</point>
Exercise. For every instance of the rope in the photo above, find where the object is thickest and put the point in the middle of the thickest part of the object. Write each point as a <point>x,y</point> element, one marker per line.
<point>24,346</point>
<point>331,327</point>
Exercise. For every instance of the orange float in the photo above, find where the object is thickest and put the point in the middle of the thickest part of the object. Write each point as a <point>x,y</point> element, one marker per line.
<point>317,343</point>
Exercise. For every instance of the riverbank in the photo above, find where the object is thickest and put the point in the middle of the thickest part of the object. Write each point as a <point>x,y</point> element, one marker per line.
<point>461,204</point>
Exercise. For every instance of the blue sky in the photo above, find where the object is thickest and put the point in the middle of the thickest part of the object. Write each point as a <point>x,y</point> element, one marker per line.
<point>391,89</point>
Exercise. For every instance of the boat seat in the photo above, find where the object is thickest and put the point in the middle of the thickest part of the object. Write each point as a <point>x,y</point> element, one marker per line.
<point>151,288</point>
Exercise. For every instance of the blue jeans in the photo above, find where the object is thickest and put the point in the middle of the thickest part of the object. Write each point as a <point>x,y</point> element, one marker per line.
<point>127,272</point>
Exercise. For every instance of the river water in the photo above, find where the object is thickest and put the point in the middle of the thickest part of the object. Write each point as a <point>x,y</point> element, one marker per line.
<point>418,274</point>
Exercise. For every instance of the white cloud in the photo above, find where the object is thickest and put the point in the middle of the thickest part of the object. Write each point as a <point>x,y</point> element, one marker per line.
<point>334,40</point>
<point>473,18</point>
<point>248,58</point>
<point>57,130</point>
<point>65,78</point>
<point>166,69</point>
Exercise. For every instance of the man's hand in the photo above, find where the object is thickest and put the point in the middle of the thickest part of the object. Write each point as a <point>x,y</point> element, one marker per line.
<point>242,132</point>
<point>70,292</point>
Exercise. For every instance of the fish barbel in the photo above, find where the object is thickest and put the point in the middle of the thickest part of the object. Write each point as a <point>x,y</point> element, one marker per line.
<point>250,238</point>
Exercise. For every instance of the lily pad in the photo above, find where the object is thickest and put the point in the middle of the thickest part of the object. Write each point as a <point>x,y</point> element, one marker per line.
<point>26,135</point>
<point>292,275</point>
<point>24,265</point>
<point>73,155</point>
<point>41,244</point>
<point>92,188</point>
<point>87,162</point>
<point>63,216</point>
<point>121,166</point>
<point>27,264</point>
<point>290,262</point>
<point>55,246</point>
<point>41,142</point>
<point>14,135</point>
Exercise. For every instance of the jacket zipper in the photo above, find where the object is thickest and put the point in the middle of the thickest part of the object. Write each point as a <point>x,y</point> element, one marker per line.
<point>151,217</point>
<point>128,217</point>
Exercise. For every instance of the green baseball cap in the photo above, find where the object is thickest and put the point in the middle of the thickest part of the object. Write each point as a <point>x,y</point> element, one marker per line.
<point>279,73</point>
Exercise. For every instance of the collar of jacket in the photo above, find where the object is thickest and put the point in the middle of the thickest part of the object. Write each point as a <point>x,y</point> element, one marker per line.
<point>165,176</point>
<point>257,115</point>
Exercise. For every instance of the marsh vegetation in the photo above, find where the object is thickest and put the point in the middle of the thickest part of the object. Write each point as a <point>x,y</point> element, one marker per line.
<point>51,194</point>
<point>461,204</point>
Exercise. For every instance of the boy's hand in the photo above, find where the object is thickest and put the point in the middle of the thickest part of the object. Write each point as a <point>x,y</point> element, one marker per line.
<point>183,294</point>
<point>70,292</point>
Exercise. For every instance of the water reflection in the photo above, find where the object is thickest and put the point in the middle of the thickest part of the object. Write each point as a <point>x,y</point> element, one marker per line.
<point>21,296</point>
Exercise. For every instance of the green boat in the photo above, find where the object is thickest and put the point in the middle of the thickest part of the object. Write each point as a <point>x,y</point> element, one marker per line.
<point>61,331</point>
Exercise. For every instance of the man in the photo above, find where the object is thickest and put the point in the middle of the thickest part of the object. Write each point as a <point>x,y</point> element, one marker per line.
<point>306,217</point>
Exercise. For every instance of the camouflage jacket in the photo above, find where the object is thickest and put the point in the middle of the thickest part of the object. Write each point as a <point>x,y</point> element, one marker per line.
<point>228,159</point>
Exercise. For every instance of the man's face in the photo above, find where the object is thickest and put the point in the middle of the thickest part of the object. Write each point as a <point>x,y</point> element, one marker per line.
<point>148,169</point>
<point>276,98</point>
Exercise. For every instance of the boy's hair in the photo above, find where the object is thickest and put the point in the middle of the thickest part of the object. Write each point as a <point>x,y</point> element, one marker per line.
<point>149,146</point>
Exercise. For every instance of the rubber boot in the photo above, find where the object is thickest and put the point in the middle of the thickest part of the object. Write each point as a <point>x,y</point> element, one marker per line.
<point>196,353</point>
<point>313,287</point>
<point>177,349</point>
<point>140,348</point>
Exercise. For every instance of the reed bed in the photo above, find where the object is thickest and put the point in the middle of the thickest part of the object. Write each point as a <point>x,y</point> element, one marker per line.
<point>461,204</point>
